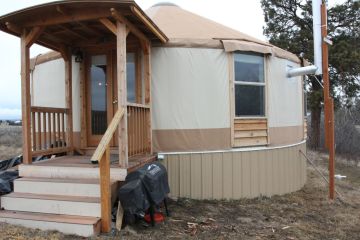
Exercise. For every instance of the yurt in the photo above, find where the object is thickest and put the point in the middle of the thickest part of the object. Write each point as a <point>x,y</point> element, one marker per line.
<point>213,104</point>
<point>226,119</point>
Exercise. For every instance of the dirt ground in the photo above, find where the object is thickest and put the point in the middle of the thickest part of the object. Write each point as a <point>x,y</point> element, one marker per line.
<point>10,141</point>
<point>305,214</point>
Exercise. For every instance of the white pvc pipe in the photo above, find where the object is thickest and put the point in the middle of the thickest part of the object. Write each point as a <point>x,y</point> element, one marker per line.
<point>301,71</point>
<point>316,8</point>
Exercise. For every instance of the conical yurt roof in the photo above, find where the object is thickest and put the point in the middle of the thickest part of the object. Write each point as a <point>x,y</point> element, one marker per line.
<point>184,28</point>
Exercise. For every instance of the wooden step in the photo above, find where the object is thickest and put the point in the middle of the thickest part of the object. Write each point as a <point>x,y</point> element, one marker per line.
<point>68,172</point>
<point>55,204</point>
<point>82,226</point>
<point>58,186</point>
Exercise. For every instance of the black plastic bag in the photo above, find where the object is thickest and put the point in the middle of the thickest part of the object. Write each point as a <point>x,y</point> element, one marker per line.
<point>155,180</point>
<point>133,197</point>
<point>6,181</point>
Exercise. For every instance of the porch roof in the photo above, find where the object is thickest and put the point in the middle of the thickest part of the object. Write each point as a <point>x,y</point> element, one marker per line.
<point>71,23</point>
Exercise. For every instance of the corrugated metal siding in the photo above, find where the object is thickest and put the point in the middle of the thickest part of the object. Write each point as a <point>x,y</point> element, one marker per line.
<point>234,175</point>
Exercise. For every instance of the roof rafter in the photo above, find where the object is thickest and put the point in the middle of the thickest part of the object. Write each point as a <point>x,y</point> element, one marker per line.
<point>66,16</point>
<point>89,29</point>
<point>69,30</point>
<point>143,39</point>
<point>137,12</point>
<point>14,28</point>
<point>33,35</point>
<point>111,26</point>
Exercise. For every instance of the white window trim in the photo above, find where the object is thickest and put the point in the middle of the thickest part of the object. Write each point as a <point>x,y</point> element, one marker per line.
<point>264,83</point>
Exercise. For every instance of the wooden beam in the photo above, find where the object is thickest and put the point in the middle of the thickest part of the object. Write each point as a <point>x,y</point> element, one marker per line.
<point>68,99</point>
<point>108,24</point>
<point>325,67</point>
<point>83,108</point>
<point>69,30</point>
<point>328,105</point>
<point>65,17</point>
<point>14,28</point>
<point>89,29</point>
<point>55,39</point>
<point>122,92</point>
<point>62,10</point>
<point>128,24</point>
<point>64,51</point>
<point>119,216</point>
<point>147,81</point>
<point>147,77</point>
<point>105,192</point>
<point>33,35</point>
<point>141,16</point>
<point>25,100</point>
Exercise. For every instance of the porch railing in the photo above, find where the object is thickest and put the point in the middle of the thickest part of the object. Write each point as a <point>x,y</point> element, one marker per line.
<point>102,156</point>
<point>139,128</point>
<point>48,130</point>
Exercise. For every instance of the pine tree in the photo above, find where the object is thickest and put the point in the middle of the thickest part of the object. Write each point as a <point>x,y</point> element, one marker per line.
<point>289,26</point>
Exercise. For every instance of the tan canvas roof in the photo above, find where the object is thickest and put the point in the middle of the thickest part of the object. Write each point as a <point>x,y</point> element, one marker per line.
<point>187,29</point>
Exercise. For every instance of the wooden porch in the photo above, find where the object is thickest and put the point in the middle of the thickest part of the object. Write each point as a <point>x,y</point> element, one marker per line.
<point>82,29</point>
<point>80,167</point>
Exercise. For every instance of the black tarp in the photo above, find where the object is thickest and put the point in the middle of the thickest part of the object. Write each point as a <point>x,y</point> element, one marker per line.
<point>6,164</point>
<point>6,181</point>
<point>133,197</point>
<point>8,176</point>
<point>147,185</point>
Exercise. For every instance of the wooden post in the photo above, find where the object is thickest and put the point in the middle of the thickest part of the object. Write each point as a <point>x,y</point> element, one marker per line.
<point>147,80</point>
<point>68,99</point>
<point>328,105</point>
<point>331,141</point>
<point>122,91</point>
<point>25,100</point>
<point>325,64</point>
<point>105,191</point>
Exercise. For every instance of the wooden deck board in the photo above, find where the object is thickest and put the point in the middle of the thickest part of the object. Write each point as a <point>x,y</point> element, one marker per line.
<point>53,197</point>
<point>48,217</point>
<point>84,161</point>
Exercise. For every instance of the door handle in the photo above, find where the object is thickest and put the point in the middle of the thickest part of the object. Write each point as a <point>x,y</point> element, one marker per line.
<point>115,101</point>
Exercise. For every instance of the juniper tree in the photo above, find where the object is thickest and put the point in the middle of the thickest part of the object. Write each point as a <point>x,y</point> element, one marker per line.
<point>289,26</point>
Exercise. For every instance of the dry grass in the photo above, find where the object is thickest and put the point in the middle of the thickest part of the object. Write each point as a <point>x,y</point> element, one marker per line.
<point>10,141</point>
<point>305,214</point>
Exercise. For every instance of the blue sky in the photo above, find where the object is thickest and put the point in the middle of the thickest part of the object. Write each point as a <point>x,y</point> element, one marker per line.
<point>243,15</point>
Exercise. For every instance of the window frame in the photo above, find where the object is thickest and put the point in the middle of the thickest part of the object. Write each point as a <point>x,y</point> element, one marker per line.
<point>244,83</point>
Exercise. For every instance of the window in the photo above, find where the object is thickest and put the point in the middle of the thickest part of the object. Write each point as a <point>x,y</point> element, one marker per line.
<point>130,77</point>
<point>249,85</point>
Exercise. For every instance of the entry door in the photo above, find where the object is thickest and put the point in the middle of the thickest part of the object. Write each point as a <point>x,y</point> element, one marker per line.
<point>102,92</point>
<point>100,100</point>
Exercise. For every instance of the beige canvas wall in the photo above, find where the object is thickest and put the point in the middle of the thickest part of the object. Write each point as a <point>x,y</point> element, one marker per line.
<point>285,95</point>
<point>48,87</point>
<point>191,139</point>
<point>190,88</point>
<point>190,99</point>
<point>246,173</point>
<point>285,103</point>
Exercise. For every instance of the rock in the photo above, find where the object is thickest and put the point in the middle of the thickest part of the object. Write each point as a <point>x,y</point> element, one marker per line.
<point>244,219</point>
<point>129,230</point>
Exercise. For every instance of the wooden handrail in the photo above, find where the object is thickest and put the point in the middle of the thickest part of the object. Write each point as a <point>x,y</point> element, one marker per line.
<point>49,109</point>
<point>104,167</point>
<point>105,140</point>
<point>137,105</point>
